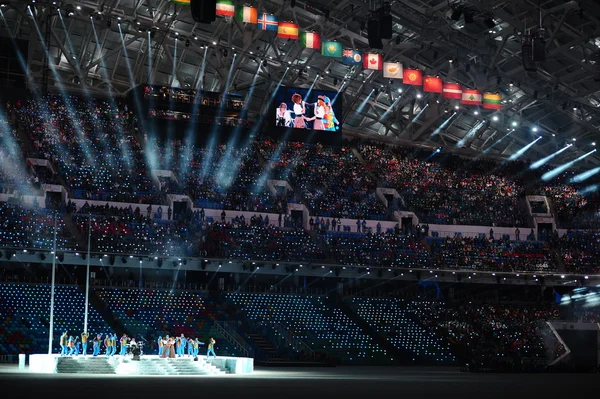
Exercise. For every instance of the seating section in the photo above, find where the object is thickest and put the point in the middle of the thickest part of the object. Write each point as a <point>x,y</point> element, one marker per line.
<point>331,182</point>
<point>322,327</point>
<point>493,335</point>
<point>32,228</point>
<point>92,145</point>
<point>580,251</point>
<point>149,314</point>
<point>456,191</point>
<point>388,249</point>
<point>125,231</point>
<point>260,243</point>
<point>25,317</point>
<point>572,208</point>
<point>395,321</point>
<point>481,253</point>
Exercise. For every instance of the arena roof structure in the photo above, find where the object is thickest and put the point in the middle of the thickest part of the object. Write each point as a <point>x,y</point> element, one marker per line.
<point>475,43</point>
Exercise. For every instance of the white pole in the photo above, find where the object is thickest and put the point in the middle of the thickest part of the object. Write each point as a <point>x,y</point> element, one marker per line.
<point>87,276</point>
<point>51,337</point>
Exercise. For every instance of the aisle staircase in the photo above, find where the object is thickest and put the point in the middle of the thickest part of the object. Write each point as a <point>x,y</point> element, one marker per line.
<point>145,366</point>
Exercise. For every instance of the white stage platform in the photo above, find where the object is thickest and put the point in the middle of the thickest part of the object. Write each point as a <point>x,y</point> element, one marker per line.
<point>147,365</point>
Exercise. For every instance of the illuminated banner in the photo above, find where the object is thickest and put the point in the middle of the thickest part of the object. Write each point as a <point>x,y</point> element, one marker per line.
<point>412,77</point>
<point>392,70</point>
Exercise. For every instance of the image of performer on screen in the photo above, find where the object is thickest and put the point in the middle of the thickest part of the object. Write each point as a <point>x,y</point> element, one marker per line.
<point>299,111</point>
<point>284,116</point>
<point>331,122</point>
<point>319,111</point>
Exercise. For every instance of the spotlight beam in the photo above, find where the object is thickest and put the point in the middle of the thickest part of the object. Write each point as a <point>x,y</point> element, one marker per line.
<point>523,150</point>
<point>585,175</point>
<point>542,161</point>
<point>556,171</point>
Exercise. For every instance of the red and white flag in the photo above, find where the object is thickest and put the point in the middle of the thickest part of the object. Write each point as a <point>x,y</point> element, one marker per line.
<point>471,97</point>
<point>373,61</point>
<point>452,90</point>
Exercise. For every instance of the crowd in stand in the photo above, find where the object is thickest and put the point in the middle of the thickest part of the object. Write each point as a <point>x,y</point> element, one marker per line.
<point>92,145</point>
<point>498,337</point>
<point>580,251</point>
<point>456,192</point>
<point>95,149</point>
<point>483,253</point>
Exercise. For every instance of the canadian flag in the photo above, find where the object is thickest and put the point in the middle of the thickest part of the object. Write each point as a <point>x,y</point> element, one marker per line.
<point>373,61</point>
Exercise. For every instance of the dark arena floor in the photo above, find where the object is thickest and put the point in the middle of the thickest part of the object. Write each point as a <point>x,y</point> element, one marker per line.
<point>339,382</point>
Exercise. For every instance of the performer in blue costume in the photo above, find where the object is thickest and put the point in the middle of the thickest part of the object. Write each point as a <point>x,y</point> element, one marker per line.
<point>161,346</point>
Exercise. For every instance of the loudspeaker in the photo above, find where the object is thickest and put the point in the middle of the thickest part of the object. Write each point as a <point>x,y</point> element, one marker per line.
<point>373,34</point>
<point>195,358</point>
<point>204,11</point>
<point>385,26</point>
<point>527,54</point>
<point>597,69</point>
<point>539,49</point>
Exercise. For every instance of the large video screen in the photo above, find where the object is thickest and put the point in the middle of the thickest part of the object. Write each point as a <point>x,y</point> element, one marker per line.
<point>307,115</point>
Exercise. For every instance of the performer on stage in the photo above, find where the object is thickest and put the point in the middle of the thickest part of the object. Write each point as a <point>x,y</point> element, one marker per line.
<point>161,346</point>
<point>195,345</point>
<point>211,348</point>
<point>84,341</point>
<point>190,346</point>
<point>63,344</point>
<point>169,349</point>
<point>182,344</point>
<point>96,345</point>
<point>123,345</point>
<point>108,345</point>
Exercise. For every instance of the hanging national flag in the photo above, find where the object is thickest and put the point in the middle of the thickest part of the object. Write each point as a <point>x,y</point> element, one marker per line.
<point>351,57</point>
<point>310,40</point>
<point>225,8</point>
<point>452,90</point>
<point>287,30</point>
<point>392,70</point>
<point>185,2</point>
<point>246,14</point>
<point>432,84</point>
<point>373,61</point>
<point>267,22</point>
<point>492,101</point>
<point>471,97</point>
<point>412,77</point>
<point>332,49</point>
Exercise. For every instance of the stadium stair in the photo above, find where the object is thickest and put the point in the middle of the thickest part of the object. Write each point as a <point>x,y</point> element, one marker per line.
<point>105,312</point>
<point>366,328</point>
<point>86,365</point>
<point>145,366</point>
<point>72,228</point>
<point>560,265</point>
<point>246,328</point>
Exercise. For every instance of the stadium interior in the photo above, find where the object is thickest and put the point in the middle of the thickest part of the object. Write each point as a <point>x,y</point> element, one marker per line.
<point>151,171</point>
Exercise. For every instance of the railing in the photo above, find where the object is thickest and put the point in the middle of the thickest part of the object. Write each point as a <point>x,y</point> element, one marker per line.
<point>294,342</point>
<point>234,338</point>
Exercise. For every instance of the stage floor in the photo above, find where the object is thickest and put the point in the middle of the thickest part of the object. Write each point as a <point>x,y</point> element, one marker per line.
<point>338,382</point>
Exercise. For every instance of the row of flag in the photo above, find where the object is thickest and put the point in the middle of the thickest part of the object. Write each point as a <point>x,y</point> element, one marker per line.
<point>372,61</point>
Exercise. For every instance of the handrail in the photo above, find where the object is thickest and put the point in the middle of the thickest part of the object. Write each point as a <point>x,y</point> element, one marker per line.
<point>296,343</point>
<point>247,351</point>
<point>238,337</point>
